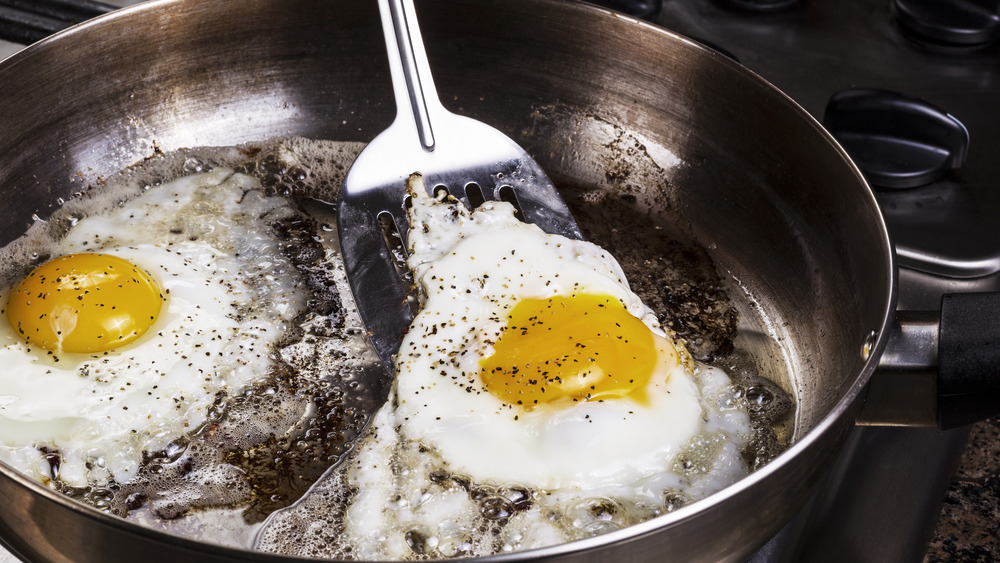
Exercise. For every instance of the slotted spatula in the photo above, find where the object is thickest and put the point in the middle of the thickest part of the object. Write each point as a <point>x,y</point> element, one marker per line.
<point>470,159</point>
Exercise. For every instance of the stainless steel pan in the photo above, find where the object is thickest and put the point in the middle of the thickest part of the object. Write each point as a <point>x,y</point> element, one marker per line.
<point>599,99</point>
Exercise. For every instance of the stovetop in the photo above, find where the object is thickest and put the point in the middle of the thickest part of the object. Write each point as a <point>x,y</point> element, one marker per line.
<point>816,48</point>
<point>883,497</point>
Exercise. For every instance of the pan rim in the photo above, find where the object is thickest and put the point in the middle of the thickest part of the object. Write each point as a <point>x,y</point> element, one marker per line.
<point>825,424</point>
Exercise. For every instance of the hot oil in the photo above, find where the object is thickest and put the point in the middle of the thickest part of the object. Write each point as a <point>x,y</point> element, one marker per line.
<point>265,446</point>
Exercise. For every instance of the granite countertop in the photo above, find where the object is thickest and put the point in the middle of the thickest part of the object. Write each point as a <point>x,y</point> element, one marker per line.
<point>969,523</point>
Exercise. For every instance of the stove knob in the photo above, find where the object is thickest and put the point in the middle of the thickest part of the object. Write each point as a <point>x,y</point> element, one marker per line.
<point>897,141</point>
<point>759,5</point>
<point>645,9</point>
<point>959,23</point>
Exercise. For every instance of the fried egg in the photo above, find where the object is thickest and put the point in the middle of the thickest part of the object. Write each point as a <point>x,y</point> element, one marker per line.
<point>531,346</point>
<point>537,399</point>
<point>147,314</point>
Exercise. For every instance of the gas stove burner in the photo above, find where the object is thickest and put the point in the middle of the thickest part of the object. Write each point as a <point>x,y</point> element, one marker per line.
<point>645,9</point>
<point>715,47</point>
<point>759,5</point>
<point>31,20</point>
<point>949,24</point>
<point>898,141</point>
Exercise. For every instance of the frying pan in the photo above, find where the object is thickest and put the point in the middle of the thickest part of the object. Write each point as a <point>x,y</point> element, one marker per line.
<point>695,141</point>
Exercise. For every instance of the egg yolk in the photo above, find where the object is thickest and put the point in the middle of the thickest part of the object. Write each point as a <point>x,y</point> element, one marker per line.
<point>84,303</point>
<point>580,347</point>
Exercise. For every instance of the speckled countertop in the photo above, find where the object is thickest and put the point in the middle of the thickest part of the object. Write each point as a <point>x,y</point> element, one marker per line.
<point>969,524</point>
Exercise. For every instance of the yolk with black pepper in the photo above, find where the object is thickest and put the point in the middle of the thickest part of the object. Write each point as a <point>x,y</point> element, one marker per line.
<point>84,303</point>
<point>581,347</point>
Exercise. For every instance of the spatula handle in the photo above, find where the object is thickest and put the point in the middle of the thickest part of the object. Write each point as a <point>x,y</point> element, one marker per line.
<point>411,75</point>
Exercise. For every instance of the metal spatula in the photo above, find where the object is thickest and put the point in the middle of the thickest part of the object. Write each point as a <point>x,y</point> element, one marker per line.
<point>470,159</point>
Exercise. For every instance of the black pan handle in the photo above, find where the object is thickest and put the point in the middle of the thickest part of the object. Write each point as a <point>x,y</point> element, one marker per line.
<point>968,358</point>
<point>939,368</point>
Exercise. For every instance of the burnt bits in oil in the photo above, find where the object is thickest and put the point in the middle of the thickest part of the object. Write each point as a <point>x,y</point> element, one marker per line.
<point>677,280</point>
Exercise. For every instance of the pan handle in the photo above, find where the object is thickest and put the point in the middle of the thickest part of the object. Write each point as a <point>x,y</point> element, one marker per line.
<point>939,369</point>
<point>968,358</point>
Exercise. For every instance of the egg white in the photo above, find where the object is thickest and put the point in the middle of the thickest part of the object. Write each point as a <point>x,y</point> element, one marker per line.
<point>443,403</point>
<point>577,469</point>
<point>86,419</point>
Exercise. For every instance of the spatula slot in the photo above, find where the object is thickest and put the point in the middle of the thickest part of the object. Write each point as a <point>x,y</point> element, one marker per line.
<point>475,194</point>
<point>394,243</point>
<point>506,193</point>
<point>440,190</point>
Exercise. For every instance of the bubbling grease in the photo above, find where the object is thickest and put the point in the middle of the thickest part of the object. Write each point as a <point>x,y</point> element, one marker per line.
<point>403,502</point>
<point>280,465</point>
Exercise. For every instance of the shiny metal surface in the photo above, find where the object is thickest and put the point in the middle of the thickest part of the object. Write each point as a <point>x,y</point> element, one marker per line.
<point>810,52</point>
<point>830,529</point>
<point>817,48</point>
<point>450,151</point>
<point>904,390</point>
<point>789,220</point>
<point>913,343</point>
<point>901,398</point>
